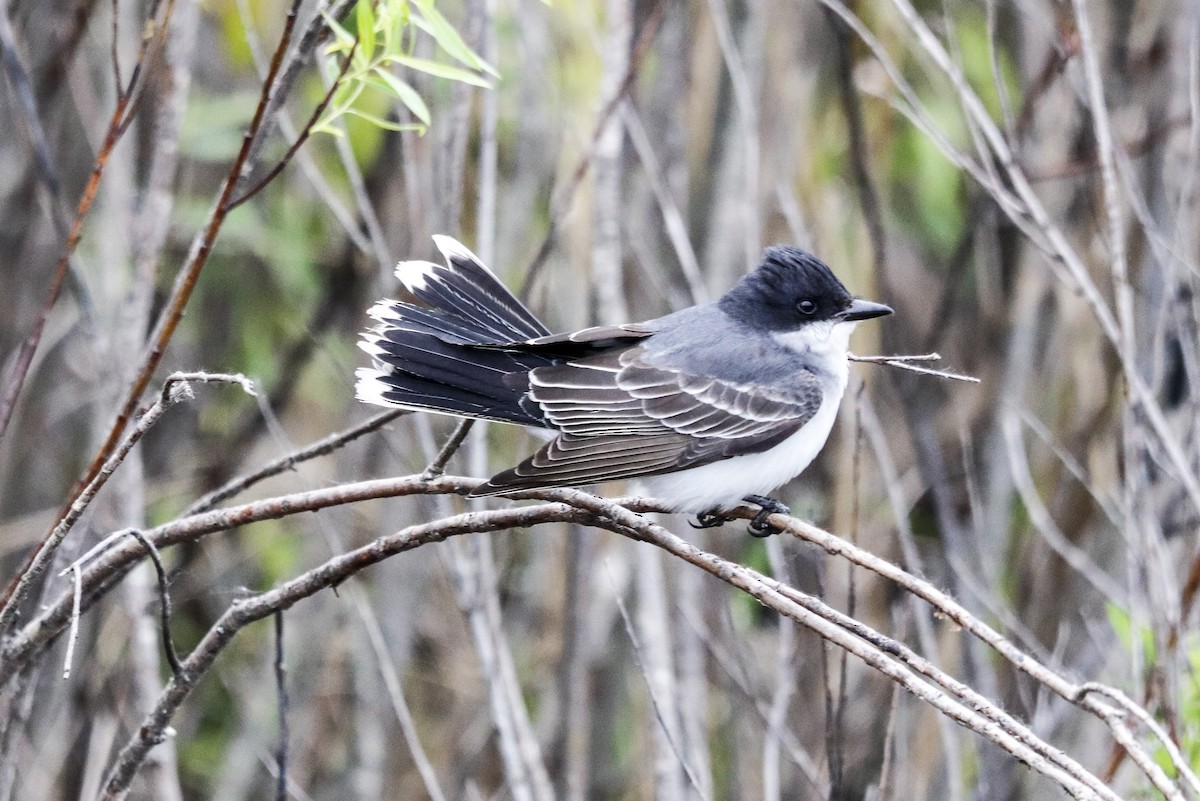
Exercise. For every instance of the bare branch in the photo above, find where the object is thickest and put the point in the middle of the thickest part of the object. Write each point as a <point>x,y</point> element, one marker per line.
<point>281,755</point>
<point>73,635</point>
<point>244,612</point>
<point>321,447</point>
<point>175,389</point>
<point>197,257</point>
<point>121,114</point>
<point>449,448</point>
<point>906,363</point>
<point>1127,705</point>
<point>164,597</point>
<point>890,658</point>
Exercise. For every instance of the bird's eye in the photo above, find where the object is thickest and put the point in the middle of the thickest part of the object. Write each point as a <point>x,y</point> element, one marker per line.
<point>806,307</point>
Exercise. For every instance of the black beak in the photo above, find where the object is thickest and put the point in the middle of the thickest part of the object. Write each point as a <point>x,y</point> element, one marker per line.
<point>860,309</point>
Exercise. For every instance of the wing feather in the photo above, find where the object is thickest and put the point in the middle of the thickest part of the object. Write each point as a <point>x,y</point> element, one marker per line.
<point>643,419</point>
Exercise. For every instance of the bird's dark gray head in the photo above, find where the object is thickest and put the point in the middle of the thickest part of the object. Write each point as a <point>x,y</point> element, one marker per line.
<point>792,288</point>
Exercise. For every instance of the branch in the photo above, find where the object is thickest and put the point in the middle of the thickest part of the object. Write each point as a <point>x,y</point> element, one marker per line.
<point>561,203</point>
<point>18,80</point>
<point>878,651</point>
<point>175,389</point>
<point>284,463</point>
<point>305,132</point>
<point>118,122</point>
<point>246,611</point>
<point>189,274</point>
<point>281,756</point>
<point>164,598</point>
<point>906,363</point>
<point>953,611</point>
<point>1023,207</point>
<point>449,448</point>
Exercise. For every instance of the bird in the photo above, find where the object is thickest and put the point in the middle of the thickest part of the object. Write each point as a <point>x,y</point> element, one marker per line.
<point>710,406</point>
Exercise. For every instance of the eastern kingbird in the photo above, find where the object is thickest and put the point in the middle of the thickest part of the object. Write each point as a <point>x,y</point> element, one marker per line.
<point>711,405</point>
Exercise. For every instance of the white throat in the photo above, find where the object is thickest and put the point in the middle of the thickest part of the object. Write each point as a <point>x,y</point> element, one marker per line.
<point>824,344</point>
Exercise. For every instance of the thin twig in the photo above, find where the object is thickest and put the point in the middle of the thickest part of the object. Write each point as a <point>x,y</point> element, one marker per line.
<point>478,595</point>
<point>321,447</point>
<point>115,38</point>
<point>655,702</point>
<point>673,219</point>
<point>742,80</point>
<point>1127,704</point>
<point>73,634</point>
<point>1078,559</point>
<point>796,752</point>
<point>122,112</point>
<point>451,446</point>
<point>18,80</point>
<point>395,691</point>
<point>785,686</point>
<point>281,753</point>
<point>906,363</point>
<point>164,599</point>
<point>152,45</point>
<point>305,132</point>
<point>175,389</point>
<point>859,149</point>
<point>314,35</point>
<point>189,274</point>
<point>563,199</point>
<point>306,162</point>
<point>924,357</point>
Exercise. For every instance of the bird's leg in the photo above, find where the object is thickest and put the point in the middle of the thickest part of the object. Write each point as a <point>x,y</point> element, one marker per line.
<point>759,527</point>
<point>709,520</point>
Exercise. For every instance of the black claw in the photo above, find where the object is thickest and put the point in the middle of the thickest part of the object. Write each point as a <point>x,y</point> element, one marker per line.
<point>709,520</point>
<point>759,527</point>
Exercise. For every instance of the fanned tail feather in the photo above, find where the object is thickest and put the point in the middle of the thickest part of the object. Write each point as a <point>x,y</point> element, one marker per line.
<point>467,293</point>
<point>451,357</point>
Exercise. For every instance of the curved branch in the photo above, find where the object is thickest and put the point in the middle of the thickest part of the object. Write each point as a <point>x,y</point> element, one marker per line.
<point>246,611</point>
<point>175,389</point>
<point>621,516</point>
<point>878,651</point>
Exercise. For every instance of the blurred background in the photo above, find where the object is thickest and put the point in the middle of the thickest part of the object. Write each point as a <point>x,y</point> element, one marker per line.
<point>627,158</point>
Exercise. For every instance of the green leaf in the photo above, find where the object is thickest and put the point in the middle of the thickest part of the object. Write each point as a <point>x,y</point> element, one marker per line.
<point>1118,618</point>
<point>439,70</point>
<point>364,16</point>
<point>387,124</point>
<point>327,128</point>
<point>407,95</point>
<point>345,39</point>
<point>343,98</point>
<point>432,22</point>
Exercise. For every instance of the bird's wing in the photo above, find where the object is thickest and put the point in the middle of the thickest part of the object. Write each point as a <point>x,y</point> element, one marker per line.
<point>621,417</point>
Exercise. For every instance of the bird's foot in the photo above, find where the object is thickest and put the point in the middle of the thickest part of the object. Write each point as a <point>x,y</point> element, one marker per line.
<point>709,520</point>
<point>759,527</point>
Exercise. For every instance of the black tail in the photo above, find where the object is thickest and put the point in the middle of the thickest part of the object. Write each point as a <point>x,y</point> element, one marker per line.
<point>446,358</point>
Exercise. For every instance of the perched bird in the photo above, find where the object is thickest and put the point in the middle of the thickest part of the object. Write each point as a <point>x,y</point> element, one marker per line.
<point>712,405</point>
